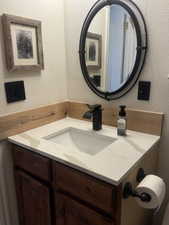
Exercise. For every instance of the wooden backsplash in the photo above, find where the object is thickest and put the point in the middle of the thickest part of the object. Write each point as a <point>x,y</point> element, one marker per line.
<point>137,120</point>
<point>22,121</point>
<point>147,122</point>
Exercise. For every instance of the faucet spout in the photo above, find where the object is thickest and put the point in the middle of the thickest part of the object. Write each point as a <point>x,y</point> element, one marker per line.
<point>95,113</point>
<point>88,115</point>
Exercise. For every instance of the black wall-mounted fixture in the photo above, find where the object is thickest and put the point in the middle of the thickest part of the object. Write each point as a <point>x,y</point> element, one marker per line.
<point>15,91</point>
<point>140,175</point>
<point>129,191</point>
<point>144,90</point>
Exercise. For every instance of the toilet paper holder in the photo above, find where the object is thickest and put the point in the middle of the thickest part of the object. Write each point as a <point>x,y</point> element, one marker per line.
<point>129,191</point>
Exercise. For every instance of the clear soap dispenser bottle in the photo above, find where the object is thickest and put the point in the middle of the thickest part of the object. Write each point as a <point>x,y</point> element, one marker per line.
<point>122,121</point>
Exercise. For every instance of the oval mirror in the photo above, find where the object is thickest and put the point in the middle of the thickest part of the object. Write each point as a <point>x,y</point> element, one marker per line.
<point>113,47</point>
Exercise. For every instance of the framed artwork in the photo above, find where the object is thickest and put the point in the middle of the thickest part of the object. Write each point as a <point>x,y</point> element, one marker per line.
<point>93,51</point>
<point>23,43</point>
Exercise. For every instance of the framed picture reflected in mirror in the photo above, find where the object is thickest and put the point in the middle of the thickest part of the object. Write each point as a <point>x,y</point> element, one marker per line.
<point>93,51</point>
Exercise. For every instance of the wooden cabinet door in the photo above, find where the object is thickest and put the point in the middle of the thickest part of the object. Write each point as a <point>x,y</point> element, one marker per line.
<point>90,190</point>
<point>71,212</point>
<point>33,200</point>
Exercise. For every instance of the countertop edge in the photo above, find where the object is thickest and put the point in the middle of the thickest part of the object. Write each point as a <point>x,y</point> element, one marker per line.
<point>84,170</point>
<point>71,165</point>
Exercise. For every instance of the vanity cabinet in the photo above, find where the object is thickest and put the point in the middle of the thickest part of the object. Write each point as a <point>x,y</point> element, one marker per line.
<point>51,193</point>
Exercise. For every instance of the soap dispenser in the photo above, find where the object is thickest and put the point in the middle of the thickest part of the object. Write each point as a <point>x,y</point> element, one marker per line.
<point>122,121</point>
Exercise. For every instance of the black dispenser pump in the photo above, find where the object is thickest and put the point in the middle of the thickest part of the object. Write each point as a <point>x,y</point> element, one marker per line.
<point>122,112</point>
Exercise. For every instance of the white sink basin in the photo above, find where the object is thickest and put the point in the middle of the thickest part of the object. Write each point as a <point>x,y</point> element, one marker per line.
<point>85,141</point>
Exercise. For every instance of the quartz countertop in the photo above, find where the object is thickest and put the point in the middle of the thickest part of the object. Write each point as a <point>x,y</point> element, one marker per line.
<point>111,165</point>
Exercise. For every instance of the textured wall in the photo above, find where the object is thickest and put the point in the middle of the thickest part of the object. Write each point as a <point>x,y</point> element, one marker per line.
<point>49,85</point>
<point>156,70</point>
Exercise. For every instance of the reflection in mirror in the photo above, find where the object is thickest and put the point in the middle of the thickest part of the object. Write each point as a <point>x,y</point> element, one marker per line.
<point>111,48</point>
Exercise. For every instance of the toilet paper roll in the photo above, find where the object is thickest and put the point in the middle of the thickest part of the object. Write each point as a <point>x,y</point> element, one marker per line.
<point>155,187</point>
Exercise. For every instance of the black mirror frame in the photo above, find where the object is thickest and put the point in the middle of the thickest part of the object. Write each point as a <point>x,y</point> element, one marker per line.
<point>141,32</point>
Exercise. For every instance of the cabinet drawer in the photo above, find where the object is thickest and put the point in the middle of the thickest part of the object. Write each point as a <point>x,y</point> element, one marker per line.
<point>84,187</point>
<point>33,163</point>
<point>71,212</point>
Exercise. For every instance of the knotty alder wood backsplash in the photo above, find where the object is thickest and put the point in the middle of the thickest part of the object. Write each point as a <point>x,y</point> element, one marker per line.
<point>137,120</point>
<point>143,121</point>
<point>23,121</point>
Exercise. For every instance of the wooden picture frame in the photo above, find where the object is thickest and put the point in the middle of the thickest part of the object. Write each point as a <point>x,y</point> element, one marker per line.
<point>93,51</point>
<point>23,43</point>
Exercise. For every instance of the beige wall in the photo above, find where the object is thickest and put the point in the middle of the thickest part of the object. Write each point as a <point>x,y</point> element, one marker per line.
<point>156,70</point>
<point>49,85</point>
<point>42,88</point>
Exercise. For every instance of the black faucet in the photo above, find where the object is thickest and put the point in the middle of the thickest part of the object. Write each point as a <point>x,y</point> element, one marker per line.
<point>95,113</point>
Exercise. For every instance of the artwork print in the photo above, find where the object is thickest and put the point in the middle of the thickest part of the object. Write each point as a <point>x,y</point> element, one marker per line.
<point>93,51</point>
<point>24,44</point>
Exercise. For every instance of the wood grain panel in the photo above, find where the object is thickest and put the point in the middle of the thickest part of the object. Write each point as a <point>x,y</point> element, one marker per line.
<point>137,120</point>
<point>22,121</point>
<point>33,200</point>
<point>32,162</point>
<point>143,121</point>
<point>71,212</point>
<point>90,190</point>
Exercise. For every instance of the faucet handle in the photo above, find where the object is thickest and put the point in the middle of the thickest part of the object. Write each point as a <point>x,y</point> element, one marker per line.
<point>94,107</point>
